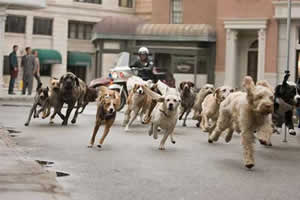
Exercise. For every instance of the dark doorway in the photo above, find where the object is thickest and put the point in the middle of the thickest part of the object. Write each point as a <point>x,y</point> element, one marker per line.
<point>78,71</point>
<point>252,64</point>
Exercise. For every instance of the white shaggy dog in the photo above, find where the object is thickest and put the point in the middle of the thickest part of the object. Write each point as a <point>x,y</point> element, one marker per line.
<point>246,112</point>
<point>211,105</point>
<point>165,114</point>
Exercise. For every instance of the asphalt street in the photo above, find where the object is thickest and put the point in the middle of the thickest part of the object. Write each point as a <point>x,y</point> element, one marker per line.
<point>130,166</point>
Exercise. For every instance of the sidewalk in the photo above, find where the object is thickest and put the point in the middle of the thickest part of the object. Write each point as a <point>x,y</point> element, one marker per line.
<point>15,98</point>
<point>24,179</point>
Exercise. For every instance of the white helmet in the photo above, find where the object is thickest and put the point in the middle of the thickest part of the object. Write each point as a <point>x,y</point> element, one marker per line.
<point>143,51</point>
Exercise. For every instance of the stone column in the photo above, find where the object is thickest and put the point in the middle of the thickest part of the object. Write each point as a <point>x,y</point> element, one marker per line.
<point>60,43</point>
<point>2,32</point>
<point>261,54</point>
<point>231,58</point>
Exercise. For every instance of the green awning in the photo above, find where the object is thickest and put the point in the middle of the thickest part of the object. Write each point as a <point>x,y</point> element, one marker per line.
<point>49,56</point>
<point>79,59</point>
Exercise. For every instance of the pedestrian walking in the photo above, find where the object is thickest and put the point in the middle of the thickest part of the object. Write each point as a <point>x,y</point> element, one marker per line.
<point>13,67</point>
<point>28,64</point>
<point>36,71</point>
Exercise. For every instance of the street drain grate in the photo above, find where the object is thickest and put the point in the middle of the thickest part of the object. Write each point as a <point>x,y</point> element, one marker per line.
<point>61,174</point>
<point>12,135</point>
<point>44,163</point>
<point>13,131</point>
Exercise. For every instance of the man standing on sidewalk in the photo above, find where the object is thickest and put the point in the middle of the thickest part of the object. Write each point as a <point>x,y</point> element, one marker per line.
<point>13,67</point>
<point>28,64</point>
<point>36,72</point>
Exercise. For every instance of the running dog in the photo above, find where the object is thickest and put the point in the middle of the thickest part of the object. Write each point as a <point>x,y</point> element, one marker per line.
<point>287,97</point>
<point>210,107</point>
<point>204,91</point>
<point>72,91</point>
<point>188,97</point>
<point>165,114</point>
<point>135,102</point>
<point>246,113</point>
<point>108,103</point>
<point>41,100</point>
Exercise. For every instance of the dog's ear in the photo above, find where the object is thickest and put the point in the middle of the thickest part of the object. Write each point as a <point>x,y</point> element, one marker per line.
<point>61,79</point>
<point>181,85</point>
<point>135,87</point>
<point>216,92</point>
<point>191,84</point>
<point>286,78</point>
<point>77,81</point>
<point>249,85</point>
<point>265,84</point>
<point>117,99</point>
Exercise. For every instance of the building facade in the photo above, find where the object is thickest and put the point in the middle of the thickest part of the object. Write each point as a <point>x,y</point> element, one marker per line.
<point>61,32</point>
<point>212,41</point>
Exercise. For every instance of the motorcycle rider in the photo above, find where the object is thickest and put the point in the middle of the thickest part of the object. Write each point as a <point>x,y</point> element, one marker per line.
<point>144,65</point>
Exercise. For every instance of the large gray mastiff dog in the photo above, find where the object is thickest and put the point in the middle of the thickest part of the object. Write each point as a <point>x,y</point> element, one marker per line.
<point>72,91</point>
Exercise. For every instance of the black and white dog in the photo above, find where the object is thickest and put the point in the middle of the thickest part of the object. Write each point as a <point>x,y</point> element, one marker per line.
<point>287,97</point>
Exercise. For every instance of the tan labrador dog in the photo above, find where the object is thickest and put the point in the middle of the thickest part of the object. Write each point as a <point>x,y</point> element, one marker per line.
<point>108,103</point>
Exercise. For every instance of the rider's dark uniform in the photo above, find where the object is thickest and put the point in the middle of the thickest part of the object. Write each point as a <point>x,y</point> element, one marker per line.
<point>145,70</point>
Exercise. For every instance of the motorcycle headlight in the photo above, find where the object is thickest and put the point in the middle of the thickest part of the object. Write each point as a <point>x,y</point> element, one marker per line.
<point>114,75</point>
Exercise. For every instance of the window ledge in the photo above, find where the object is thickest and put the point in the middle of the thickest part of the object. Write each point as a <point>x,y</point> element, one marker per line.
<point>15,34</point>
<point>42,36</point>
<point>78,40</point>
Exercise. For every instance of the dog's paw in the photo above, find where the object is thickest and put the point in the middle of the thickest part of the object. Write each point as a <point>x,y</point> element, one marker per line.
<point>162,148</point>
<point>249,166</point>
<point>90,146</point>
<point>127,129</point>
<point>262,142</point>
<point>51,122</point>
<point>210,141</point>
<point>292,132</point>
<point>99,146</point>
<point>174,142</point>
<point>26,124</point>
<point>64,123</point>
<point>73,121</point>
<point>184,125</point>
<point>198,124</point>
<point>155,137</point>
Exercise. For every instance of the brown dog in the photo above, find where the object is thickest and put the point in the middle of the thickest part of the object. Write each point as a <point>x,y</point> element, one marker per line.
<point>108,103</point>
<point>187,96</point>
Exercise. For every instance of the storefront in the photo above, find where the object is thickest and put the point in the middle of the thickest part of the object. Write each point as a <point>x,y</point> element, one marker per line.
<point>78,62</point>
<point>186,51</point>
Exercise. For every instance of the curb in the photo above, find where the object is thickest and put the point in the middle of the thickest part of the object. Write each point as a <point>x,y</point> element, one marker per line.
<point>38,175</point>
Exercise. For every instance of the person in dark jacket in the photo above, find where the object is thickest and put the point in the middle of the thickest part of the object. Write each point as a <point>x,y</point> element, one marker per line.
<point>13,67</point>
<point>144,65</point>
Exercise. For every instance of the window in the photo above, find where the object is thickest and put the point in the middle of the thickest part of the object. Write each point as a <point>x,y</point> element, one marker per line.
<point>126,3</point>
<point>45,69</point>
<point>42,26</point>
<point>80,30</point>
<point>89,1</point>
<point>15,24</point>
<point>176,11</point>
<point>6,70</point>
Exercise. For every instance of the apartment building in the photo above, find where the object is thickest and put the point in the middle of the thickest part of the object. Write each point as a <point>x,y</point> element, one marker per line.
<point>61,31</point>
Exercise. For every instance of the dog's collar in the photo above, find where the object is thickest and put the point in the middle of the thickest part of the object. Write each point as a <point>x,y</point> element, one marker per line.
<point>163,112</point>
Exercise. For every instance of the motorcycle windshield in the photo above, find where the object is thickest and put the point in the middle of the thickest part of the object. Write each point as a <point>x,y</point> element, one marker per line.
<point>123,60</point>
